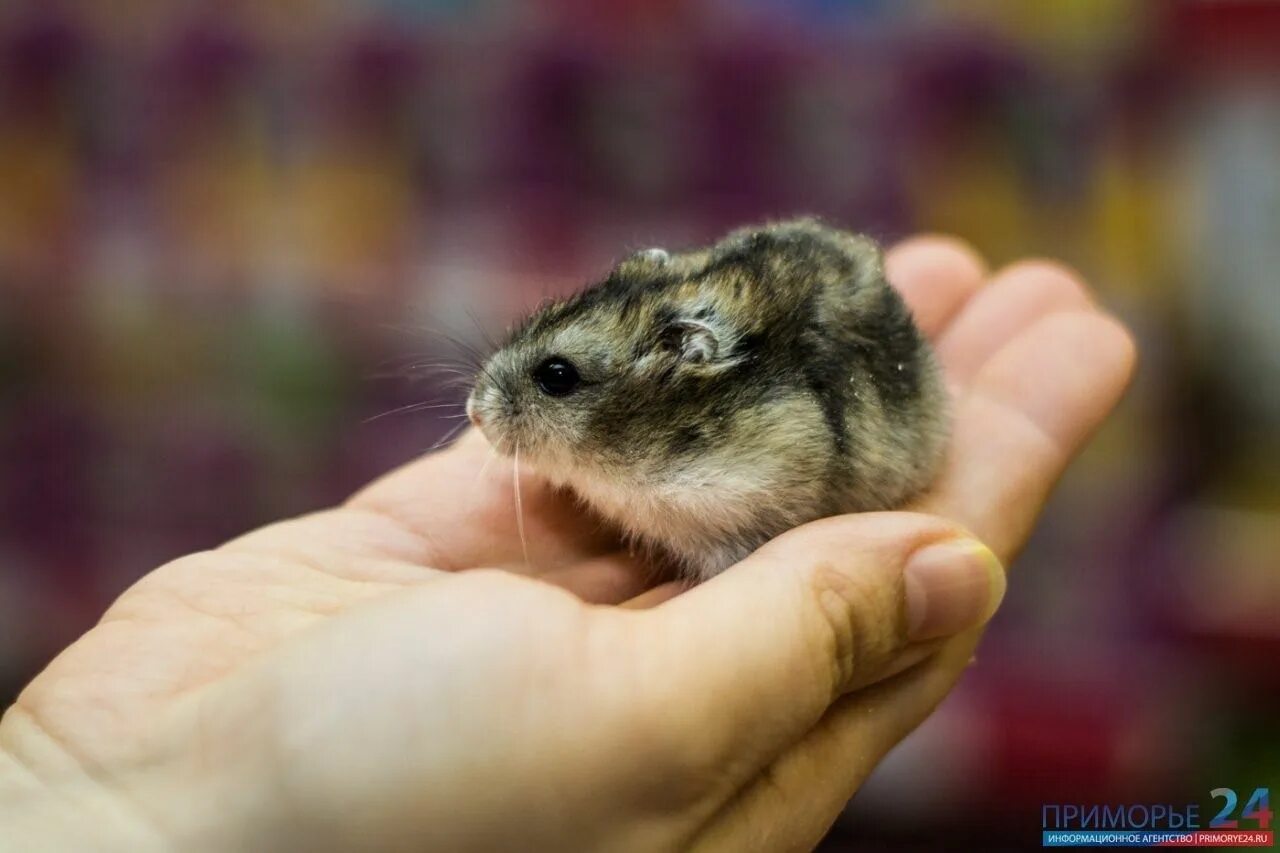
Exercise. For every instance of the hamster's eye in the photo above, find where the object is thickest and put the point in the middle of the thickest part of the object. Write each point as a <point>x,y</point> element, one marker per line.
<point>556,377</point>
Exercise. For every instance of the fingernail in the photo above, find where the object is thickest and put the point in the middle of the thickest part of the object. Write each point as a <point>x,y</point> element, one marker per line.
<point>951,586</point>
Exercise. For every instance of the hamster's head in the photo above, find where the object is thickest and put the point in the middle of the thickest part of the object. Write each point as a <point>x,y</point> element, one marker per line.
<point>664,358</point>
<point>592,380</point>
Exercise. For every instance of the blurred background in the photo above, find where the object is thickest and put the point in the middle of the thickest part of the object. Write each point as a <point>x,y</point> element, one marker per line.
<point>229,229</point>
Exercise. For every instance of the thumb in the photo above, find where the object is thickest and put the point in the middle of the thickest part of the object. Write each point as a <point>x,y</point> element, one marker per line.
<point>750,660</point>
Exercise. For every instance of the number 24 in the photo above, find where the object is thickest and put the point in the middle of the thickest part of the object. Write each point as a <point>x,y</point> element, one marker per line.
<point>1256,809</point>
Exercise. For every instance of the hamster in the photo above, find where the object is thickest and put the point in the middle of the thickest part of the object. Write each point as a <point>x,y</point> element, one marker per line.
<point>707,400</point>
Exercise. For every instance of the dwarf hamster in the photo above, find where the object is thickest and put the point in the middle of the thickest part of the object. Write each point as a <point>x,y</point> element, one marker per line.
<point>707,400</point>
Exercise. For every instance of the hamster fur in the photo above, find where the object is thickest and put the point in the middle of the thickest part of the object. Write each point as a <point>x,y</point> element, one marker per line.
<point>707,400</point>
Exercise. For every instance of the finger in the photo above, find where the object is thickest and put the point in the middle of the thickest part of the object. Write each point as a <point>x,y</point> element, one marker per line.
<point>473,508</point>
<point>1030,409</point>
<point>657,595</point>
<point>800,800</point>
<point>1027,412</point>
<point>611,579</point>
<point>936,276</point>
<point>1017,296</point>
<point>754,657</point>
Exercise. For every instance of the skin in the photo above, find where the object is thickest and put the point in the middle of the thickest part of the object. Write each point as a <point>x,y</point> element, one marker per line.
<point>396,674</point>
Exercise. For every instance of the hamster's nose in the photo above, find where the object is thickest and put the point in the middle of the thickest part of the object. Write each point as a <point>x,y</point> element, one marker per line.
<point>474,416</point>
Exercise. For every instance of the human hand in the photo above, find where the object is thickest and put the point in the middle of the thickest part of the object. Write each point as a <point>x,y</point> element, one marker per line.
<point>415,670</point>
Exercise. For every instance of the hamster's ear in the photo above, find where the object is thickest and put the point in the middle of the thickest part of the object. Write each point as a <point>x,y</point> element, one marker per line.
<point>655,255</point>
<point>692,340</point>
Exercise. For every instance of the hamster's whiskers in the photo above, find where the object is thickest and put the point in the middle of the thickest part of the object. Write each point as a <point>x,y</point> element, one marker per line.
<point>484,466</point>
<point>411,407</point>
<point>448,436</point>
<point>515,472</point>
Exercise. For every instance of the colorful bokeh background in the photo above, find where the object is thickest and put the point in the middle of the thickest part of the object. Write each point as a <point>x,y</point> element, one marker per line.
<point>229,229</point>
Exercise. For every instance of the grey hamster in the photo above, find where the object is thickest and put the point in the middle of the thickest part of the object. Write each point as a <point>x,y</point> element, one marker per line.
<point>707,400</point>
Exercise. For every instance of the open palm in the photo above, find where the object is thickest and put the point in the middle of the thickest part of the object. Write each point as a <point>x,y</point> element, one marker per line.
<point>426,665</point>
